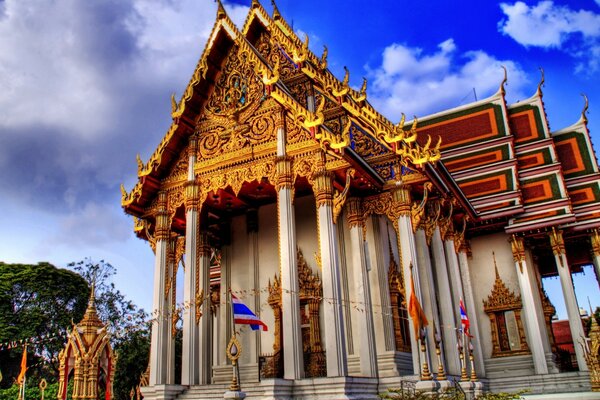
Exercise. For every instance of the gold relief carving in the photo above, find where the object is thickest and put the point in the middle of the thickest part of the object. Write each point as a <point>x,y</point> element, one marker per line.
<point>354,213</point>
<point>270,50</point>
<point>595,240</point>
<point>558,245</point>
<point>501,306</point>
<point>340,197</point>
<point>518,250</point>
<point>176,198</point>
<point>236,177</point>
<point>417,211</point>
<point>296,134</point>
<point>388,205</point>
<point>364,145</point>
<point>431,221</point>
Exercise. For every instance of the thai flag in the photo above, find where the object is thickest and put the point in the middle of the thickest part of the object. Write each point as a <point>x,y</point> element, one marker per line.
<point>464,319</point>
<point>243,315</point>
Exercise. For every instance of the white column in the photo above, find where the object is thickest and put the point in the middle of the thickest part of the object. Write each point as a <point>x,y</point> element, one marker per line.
<point>534,330</point>
<point>335,338</point>
<point>427,292</point>
<point>293,358</point>
<point>407,256</point>
<point>189,356</point>
<point>366,330</point>
<point>448,305</point>
<point>172,310</point>
<point>566,281</point>
<point>206,319</point>
<point>470,305</point>
<point>160,327</point>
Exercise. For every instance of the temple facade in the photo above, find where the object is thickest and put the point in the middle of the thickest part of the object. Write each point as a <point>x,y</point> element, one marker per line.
<point>279,182</point>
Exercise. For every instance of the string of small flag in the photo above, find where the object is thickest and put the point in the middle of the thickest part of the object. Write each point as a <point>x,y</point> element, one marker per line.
<point>11,344</point>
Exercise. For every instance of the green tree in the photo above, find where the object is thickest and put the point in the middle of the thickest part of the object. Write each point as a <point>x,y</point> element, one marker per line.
<point>133,352</point>
<point>121,314</point>
<point>37,301</point>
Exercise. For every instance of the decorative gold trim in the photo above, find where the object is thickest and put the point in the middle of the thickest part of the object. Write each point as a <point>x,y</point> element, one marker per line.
<point>558,245</point>
<point>417,212</point>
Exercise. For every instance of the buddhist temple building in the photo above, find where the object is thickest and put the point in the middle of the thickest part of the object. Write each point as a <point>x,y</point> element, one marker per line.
<point>278,181</point>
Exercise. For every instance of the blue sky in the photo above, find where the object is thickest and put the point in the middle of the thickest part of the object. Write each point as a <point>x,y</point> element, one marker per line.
<point>86,85</point>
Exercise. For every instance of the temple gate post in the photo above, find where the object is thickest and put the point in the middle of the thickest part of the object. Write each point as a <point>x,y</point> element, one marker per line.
<point>366,330</point>
<point>534,330</point>
<point>566,281</point>
<point>160,327</point>
<point>407,256</point>
<point>293,358</point>
<point>448,305</point>
<point>595,239</point>
<point>335,338</point>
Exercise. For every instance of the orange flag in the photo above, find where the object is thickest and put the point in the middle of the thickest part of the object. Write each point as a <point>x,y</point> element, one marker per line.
<point>21,376</point>
<point>414,308</point>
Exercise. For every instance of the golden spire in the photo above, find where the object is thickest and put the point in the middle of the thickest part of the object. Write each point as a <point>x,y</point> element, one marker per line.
<point>495,266</point>
<point>90,318</point>
<point>221,13</point>
<point>276,13</point>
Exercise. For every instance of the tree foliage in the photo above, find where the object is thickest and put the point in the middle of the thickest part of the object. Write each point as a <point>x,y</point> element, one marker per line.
<point>37,301</point>
<point>121,314</point>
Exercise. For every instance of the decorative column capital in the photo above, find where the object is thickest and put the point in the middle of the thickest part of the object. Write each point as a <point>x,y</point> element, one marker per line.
<point>557,242</point>
<point>517,245</point>
<point>192,196</point>
<point>595,239</point>
<point>285,178</point>
<point>431,221</point>
<point>323,188</point>
<point>162,231</point>
<point>354,213</point>
<point>417,211</point>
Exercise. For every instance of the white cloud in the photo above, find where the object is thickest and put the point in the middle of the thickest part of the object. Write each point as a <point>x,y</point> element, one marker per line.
<point>412,81</point>
<point>548,25</point>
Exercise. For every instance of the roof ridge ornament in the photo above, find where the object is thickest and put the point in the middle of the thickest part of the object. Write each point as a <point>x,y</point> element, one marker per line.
<point>585,108</point>
<point>504,80</point>
<point>323,61</point>
<point>542,83</point>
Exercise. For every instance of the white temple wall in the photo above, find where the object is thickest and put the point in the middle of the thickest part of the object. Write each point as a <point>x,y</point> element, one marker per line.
<point>483,276</point>
<point>537,300</point>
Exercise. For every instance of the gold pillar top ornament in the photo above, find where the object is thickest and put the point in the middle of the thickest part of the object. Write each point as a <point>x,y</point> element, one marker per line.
<point>518,251</point>
<point>595,239</point>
